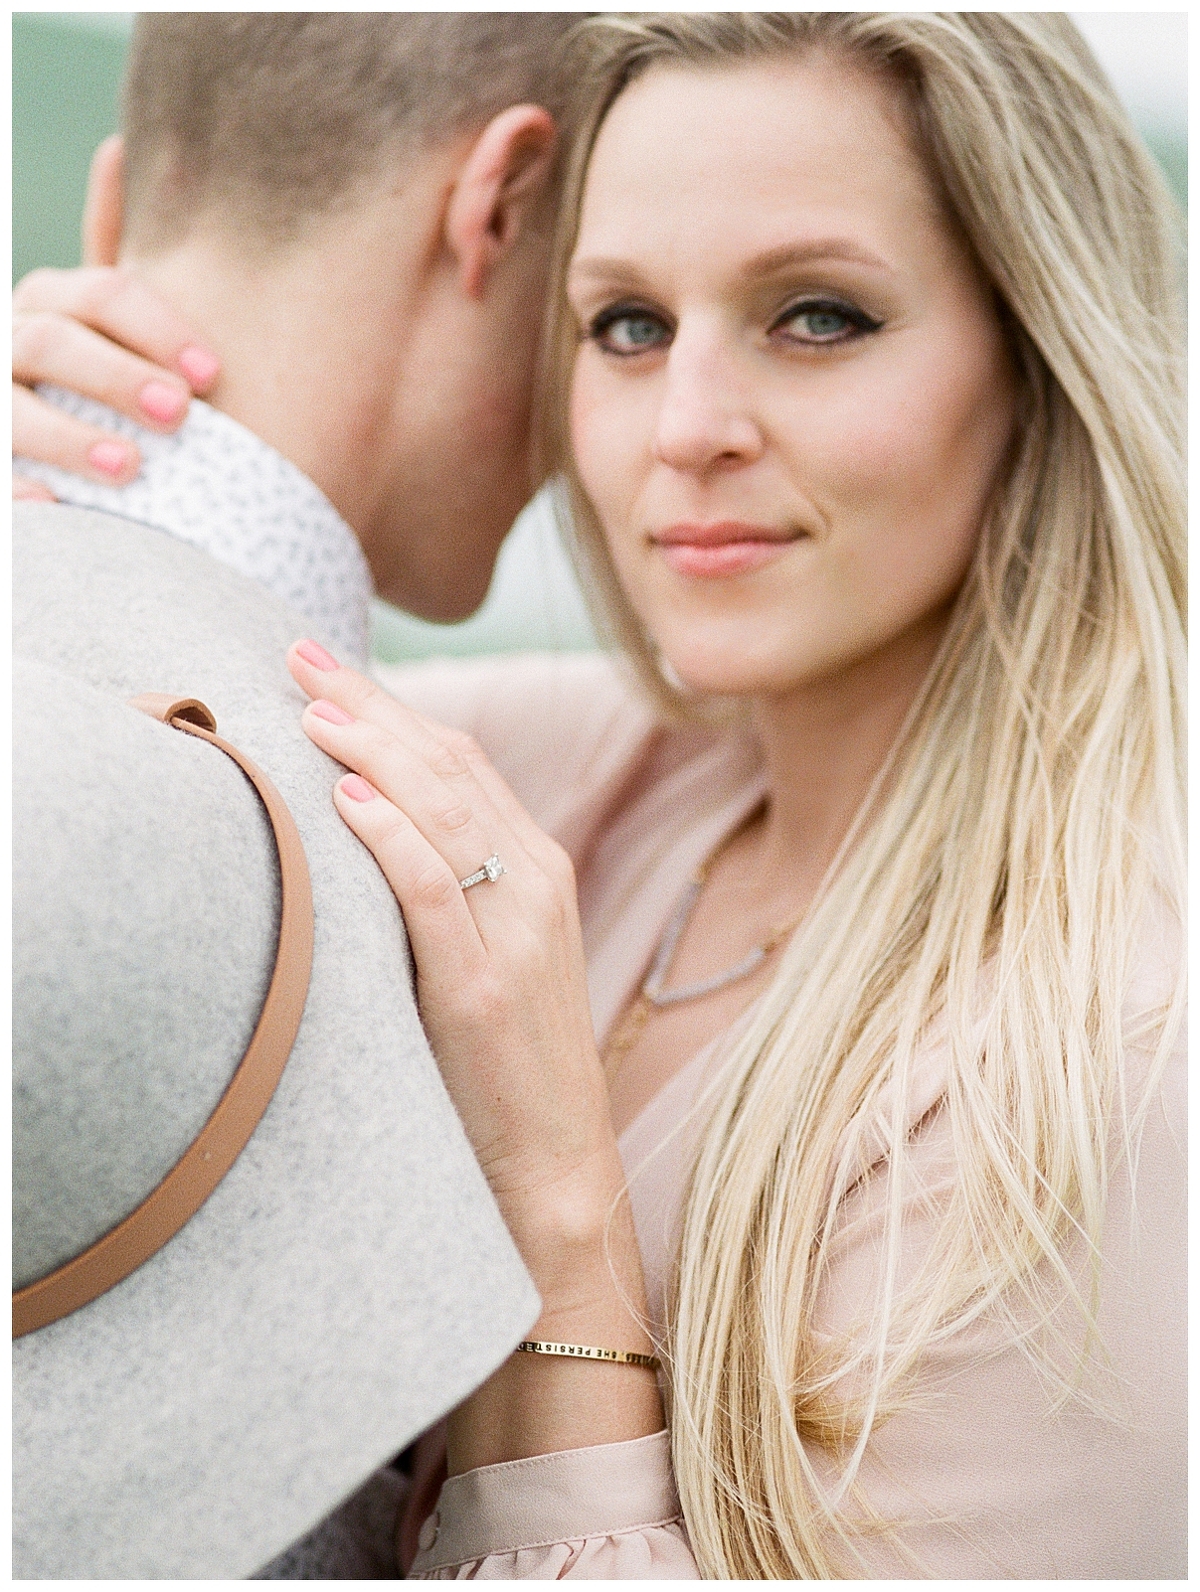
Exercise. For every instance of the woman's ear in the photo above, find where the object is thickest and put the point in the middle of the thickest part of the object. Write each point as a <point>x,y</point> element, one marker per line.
<point>104,208</point>
<point>502,179</point>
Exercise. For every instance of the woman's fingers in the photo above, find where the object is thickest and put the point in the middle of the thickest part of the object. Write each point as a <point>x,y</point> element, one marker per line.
<point>440,927</point>
<point>446,786</point>
<point>441,799</point>
<point>391,746</point>
<point>54,348</point>
<point>40,431</point>
<point>50,347</point>
<point>102,333</point>
<point>452,754</point>
<point>31,491</point>
<point>114,302</point>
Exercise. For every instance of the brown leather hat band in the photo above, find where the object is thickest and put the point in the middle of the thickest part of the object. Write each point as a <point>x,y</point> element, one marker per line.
<point>219,1143</point>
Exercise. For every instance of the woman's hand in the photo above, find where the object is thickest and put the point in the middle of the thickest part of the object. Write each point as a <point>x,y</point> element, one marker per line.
<point>100,332</point>
<point>500,973</point>
<point>503,996</point>
<point>502,992</point>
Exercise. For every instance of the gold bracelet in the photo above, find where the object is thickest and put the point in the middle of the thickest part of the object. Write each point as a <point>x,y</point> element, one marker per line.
<point>580,1351</point>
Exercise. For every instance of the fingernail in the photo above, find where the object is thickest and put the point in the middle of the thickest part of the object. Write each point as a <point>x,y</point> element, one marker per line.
<point>198,365</point>
<point>111,457</point>
<point>357,789</point>
<point>32,491</point>
<point>316,655</point>
<point>331,712</point>
<point>162,402</point>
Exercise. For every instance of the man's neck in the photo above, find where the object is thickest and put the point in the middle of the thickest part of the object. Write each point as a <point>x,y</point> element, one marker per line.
<point>311,336</point>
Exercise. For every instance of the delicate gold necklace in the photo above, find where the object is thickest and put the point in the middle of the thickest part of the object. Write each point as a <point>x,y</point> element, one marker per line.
<point>653,996</point>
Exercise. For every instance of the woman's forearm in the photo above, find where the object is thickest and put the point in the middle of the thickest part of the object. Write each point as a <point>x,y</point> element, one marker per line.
<point>590,1276</point>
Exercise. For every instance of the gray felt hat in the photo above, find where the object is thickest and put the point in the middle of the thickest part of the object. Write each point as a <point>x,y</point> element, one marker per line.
<point>350,1278</point>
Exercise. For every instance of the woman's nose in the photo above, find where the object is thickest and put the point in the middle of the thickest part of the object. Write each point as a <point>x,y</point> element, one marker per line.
<point>706,419</point>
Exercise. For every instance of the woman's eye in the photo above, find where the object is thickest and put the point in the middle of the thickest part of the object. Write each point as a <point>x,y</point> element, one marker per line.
<point>622,330</point>
<point>824,321</point>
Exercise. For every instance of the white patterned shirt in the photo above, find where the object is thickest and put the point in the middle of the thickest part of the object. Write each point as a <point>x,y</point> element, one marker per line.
<point>221,488</point>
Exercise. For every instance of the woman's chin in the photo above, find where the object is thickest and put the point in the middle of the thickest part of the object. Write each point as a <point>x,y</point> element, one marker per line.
<point>717,677</point>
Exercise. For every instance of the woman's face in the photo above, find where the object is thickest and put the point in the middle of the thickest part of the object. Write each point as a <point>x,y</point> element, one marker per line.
<point>792,395</point>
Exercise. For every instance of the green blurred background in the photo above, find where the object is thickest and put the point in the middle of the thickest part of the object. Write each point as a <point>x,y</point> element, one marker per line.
<point>67,71</point>
<point>66,75</point>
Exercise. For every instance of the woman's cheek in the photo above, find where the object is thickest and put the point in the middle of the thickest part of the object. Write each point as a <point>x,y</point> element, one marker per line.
<point>927,442</point>
<point>587,434</point>
<point>855,468</point>
<point>606,442</point>
<point>892,452</point>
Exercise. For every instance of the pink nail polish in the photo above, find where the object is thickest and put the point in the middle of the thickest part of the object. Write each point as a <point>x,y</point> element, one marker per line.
<point>316,655</point>
<point>330,712</point>
<point>199,366</point>
<point>111,457</point>
<point>162,402</point>
<point>357,789</point>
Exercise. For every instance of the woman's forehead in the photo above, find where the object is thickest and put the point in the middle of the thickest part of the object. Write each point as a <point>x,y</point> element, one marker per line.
<point>759,155</point>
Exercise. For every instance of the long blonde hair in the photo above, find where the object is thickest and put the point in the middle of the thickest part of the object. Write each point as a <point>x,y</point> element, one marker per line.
<point>997,877</point>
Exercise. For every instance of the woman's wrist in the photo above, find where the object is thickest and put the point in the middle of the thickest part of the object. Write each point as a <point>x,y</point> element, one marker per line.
<point>537,1404</point>
<point>605,1308</point>
<point>545,1404</point>
<point>573,1232</point>
<point>581,1249</point>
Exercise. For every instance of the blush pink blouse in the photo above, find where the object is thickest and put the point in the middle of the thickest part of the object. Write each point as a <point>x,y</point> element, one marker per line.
<point>984,1476</point>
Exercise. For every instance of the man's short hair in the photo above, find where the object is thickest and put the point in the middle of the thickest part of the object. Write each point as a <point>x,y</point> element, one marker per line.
<point>266,120</point>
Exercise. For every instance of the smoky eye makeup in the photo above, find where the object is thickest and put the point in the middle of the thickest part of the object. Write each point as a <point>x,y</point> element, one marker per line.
<point>627,327</point>
<point>819,319</point>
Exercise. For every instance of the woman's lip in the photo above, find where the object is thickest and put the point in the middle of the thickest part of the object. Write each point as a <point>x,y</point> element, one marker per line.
<point>729,548</point>
<point>726,558</point>
<point>720,533</point>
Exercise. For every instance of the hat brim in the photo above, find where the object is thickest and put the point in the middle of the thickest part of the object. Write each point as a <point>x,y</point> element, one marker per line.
<point>347,1282</point>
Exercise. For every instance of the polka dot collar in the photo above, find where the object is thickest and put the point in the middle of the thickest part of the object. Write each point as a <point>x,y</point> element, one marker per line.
<point>221,488</point>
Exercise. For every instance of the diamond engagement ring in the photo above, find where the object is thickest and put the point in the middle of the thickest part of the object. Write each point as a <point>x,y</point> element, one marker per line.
<point>491,871</point>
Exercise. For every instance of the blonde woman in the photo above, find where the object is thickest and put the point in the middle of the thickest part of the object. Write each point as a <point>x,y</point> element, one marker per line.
<point>865,390</point>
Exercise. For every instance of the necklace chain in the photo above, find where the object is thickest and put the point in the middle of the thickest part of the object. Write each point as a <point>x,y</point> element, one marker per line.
<point>653,996</point>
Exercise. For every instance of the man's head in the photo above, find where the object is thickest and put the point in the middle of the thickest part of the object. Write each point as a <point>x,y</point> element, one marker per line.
<point>267,122</point>
<point>355,208</point>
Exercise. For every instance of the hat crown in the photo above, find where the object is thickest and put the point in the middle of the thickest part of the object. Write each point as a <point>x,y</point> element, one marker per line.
<point>145,914</point>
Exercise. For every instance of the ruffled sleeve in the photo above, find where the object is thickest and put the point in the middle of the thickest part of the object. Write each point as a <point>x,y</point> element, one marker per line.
<point>607,1513</point>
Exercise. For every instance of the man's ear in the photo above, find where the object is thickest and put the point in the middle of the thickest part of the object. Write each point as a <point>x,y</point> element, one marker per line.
<point>500,182</point>
<point>104,208</point>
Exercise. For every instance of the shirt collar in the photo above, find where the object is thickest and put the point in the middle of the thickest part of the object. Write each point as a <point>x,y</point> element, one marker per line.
<point>221,488</point>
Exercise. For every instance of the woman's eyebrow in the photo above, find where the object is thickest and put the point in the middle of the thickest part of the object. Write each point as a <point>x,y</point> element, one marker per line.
<point>781,257</point>
<point>605,270</point>
<point>785,256</point>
